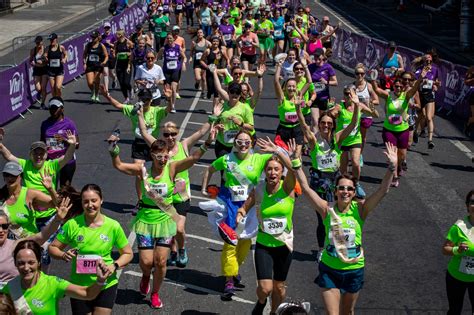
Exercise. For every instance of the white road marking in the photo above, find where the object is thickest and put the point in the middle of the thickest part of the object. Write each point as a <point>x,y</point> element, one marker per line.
<point>458,144</point>
<point>195,123</point>
<point>201,198</point>
<point>209,240</point>
<point>201,165</point>
<point>192,287</point>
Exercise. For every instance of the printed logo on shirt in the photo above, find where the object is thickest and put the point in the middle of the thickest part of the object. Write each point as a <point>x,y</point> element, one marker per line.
<point>80,238</point>
<point>21,215</point>
<point>37,303</point>
<point>351,223</point>
<point>250,168</point>
<point>105,238</point>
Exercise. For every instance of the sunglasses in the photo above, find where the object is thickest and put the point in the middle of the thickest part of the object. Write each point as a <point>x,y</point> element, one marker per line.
<point>150,58</point>
<point>160,156</point>
<point>345,187</point>
<point>471,202</point>
<point>238,73</point>
<point>408,79</point>
<point>235,92</point>
<point>167,134</point>
<point>326,123</point>
<point>5,226</point>
<point>299,69</point>
<point>347,94</point>
<point>240,142</point>
<point>360,73</point>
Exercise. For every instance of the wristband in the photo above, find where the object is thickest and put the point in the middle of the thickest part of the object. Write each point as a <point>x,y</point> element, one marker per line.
<point>115,151</point>
<point>203,148</point>
<point>391,167</point>
<point>456,251</point>
<point>296,164</point>
<point>212,119</point>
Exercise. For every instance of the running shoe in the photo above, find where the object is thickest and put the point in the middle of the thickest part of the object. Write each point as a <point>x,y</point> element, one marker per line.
<point>145,285</point>
<point>319,255</point>
<point>229,290</point>
<point>93,98</point>
<point>172,261</point>
<point>156,301</point>
<point>361,161</point>
<point>114,84</point>
<point>237,279</point>
<point>360,193</point>
<point>182,258</point>
<point>127,101</point>
<point>423,133</point>
<point>258,308</point>
<point>178,96</point>
<point>415,137</point>
<point>404,165</point>
<point>173,110</point>
<point>97,98</point>
<point>430,145</point>
<point>395,182</point>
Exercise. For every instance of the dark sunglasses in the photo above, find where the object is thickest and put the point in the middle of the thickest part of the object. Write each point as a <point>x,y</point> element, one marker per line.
<point>408,79</point>
<point>5,226</point>
<point>326,123</point>
<point>235,92</point>
<point>360,73</point>
<point>238,73</point>
<point>299,69</point>
<point>345,187</point>
<point>347,94</point>
<point>167,134</point>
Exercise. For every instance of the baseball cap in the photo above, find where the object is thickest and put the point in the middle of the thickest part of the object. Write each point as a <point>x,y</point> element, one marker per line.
<point>319,52</point>
<point>392,44</point>
<point>145,95</point>
<point>95,34</point>
<point>314,32</point>
<point>56,102</point>
<point>160,8</point>
<point>52,36</point>
<point>12,168</point>
<point>38,39</point>
<point>38,144</point>
<point>107,24</point>
<point>176,28</point>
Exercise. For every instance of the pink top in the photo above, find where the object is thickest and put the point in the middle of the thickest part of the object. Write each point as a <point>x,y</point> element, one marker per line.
<point>247,47</point>
<point>312,46</point>
<point>8,270</point>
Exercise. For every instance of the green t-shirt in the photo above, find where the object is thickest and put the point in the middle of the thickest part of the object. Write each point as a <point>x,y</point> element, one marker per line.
<point>299,86</point>
<point>277,206</point>
<point>252,167</point>
<point>32,179</point>
<point>344,119</point>
<point>266,25</point>
<point>92,241</point>
<point>43,297</point>
<point>242,112</point>
<point>287,114</point>
<point>459,266</point>
<point>20,214</point>
<point>182,186</point>
<point>396,118</point>
<point>352,225</point>
<point>324,157</point>
<point>161,27</point>
<point>153,118</point>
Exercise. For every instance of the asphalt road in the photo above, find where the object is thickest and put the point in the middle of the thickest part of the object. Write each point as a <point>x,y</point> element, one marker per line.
<point>402,238</point>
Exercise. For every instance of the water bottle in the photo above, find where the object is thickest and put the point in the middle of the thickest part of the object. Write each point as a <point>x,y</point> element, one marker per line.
<point>115,133</point>
<point>240,227</point>
<point>136,107</point>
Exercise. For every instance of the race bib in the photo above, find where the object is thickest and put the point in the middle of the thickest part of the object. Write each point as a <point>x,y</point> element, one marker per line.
<point>122,56</point>
<point>179,7</point>
<point>54,145</point>
<point>427,85</point>
<point>239,193</point>
<point>277,33</point>
<point>328,160</point>
<point>138,134</point>
<point>87,264</point>
<point>227,37</point>
<point>55,63</point>
<point>289,28</point>
<point>229,136</point>
<point>274,226</point>
<point>159,188</point>
<point>198,55</point>
<point>354,131</point>
<point>247,43</point>
<point>467,265</point>
<point>349,238</point>
<point>93,58</point>
<point>289,74</point>
<point>166,7</point>
<point>291,117</point>
<point>173,64</point>
<point>319,87</point>
<point>395,119</point>
<point>158,30</point>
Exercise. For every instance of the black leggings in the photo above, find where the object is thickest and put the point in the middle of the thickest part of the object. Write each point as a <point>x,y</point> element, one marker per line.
<point>124,80</point>
<point>456,290</point>
<point>189,17</point>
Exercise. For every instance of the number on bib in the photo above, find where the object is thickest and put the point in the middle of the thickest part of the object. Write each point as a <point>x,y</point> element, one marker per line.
<point>427,85</point>
<point>179,7</point>
<point>467,265</point>
<point>172,64</point>
<point>274,226</point>
<point>198,55</point>
<point>227,37</point>
<point>160,188</point>
<point>349,237</point>
<point>328,160</point>
<point>319,87</point>
<point>277,33</point>
<point>291,117</point>
<point>54,63</point>
<point>54,145</point>
<point>239,193</point>
<point>86,264</point>
<point>93,58</point>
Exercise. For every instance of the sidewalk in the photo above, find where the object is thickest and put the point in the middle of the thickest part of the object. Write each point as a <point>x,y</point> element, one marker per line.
<point>413,27</point>
<point>45,19</point>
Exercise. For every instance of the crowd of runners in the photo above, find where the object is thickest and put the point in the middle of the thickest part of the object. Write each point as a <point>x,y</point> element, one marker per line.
<point>233,45</point>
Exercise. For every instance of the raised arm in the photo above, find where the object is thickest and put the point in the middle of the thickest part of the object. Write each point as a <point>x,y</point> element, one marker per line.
<point>373,200</point>
<point>280,95</point>
<point>343,134</point>
<point>69,155</point>
<point>133,169</point>
<point>217,84</point>
<point>380,92</point>
<point>411,92</point>
<point>149,139</point>
<point>7,155</point>
<point>189,142</point>
<point>305,128</point>
<point>109,98</point>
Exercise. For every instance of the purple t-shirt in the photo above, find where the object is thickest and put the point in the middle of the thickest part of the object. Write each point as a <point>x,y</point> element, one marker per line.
<point>430,78</point>
<point>50,128</point>
<point>325,71</point>
<point>106,39</point>
<point>172,57</point>
<point>226,31</point>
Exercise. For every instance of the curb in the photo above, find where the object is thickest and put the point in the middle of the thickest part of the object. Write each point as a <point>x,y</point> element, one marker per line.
<point>426,37</point>
<point>5,48</point>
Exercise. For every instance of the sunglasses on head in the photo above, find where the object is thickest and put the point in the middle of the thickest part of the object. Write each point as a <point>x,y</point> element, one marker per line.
<point>241,142</point>
<point>167,134</point>
<point>345,187</point>
<point>5,226</point>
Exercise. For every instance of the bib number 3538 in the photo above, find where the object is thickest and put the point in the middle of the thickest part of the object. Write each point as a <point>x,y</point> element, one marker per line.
<point>274,226</point>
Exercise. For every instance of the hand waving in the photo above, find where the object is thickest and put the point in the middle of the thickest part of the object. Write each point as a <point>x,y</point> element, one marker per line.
<point>46,179</point>
<point>63,208</point>
<point>267,145</point>
<point>391,153</point>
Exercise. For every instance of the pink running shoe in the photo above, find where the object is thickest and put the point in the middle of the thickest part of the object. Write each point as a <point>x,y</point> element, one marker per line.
<point>156,301</point>
<point>145,285</point>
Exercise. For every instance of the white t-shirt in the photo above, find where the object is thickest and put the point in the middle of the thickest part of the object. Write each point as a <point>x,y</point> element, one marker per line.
<point>155,73</point>
<point>287,70</point>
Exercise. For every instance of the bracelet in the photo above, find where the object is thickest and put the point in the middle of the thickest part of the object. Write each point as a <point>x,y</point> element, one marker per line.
<point>392,167</point>
<point>203,148</point>
<point>296,164</point>
<point>456,251</point>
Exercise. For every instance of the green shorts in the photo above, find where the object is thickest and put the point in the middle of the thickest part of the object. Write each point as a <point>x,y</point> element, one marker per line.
<point>266,43</point>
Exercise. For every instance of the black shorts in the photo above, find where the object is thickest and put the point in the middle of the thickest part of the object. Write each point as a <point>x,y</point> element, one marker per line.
<point>230,44</point>
<point>249,58</point>
<point>426,97</point>
<point>111,63</point>
<point>55,72</point>
<point>94,69</point>
<point>39,71</point>
<point>182,207</point>
<point>140,150</point>
<point>172,76</point>
<point>349,147</point>
<point>287,133</point>
<point>321,104</point>
<point>67,173</point>
<point>272,262</point>
<point>221,149</point>
<point>105,299</point>
<point>197,65</point>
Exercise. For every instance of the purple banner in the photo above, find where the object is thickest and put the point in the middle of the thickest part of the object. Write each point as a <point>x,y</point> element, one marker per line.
<point>351,48</point>
<point>17,87</point>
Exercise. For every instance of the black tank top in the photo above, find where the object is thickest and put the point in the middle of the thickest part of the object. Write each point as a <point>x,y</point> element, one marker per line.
<point>95,55</point>
<point>54,58</point>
